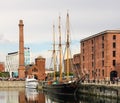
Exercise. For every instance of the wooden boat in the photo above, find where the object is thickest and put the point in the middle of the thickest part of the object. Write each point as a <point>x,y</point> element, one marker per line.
<point>59,86</point>
<point>31,82</point>
<point>65,88</point>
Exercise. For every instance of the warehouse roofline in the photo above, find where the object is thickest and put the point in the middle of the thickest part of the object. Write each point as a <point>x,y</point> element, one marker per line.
<point>103,32</point>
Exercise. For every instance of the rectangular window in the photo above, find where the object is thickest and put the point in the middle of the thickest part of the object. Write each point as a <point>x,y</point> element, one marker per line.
<point>114,45</point>
<point>92,73</point>
<point>102,72</point>
<point>83,44</point>
<point>83,51</point>
<point>114,37</point>
<point>102,63</point>
<point>102,45</point>
<point>83,58</point>
<point>92,64</point>
<point>103,38</point>
<point>102,54</point>
<point>92,49</point>
<point>92,41</point>
<point>92,56</point>
<point>114,62</point>
<point>114,53</point>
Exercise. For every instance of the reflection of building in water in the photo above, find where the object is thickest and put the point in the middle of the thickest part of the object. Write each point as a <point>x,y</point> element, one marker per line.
<point>22,97</point>
<point>8,95</point>
<point>41,98</point>
<point>32,95</point>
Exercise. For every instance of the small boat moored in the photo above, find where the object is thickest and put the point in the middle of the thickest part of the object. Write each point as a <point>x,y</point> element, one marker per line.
<point>31,82</point>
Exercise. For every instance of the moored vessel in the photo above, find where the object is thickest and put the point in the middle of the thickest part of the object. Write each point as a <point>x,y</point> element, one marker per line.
<point>59,86</point>
<point>31,82</point>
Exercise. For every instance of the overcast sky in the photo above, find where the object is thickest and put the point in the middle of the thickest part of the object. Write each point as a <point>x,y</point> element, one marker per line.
<point>87,17</point>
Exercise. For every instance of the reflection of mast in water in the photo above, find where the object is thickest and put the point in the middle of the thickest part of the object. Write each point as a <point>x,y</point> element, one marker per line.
<point>32,95</point>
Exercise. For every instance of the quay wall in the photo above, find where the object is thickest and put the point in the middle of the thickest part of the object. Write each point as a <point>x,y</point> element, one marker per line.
<point>110,91</point>
<point>12,84</point>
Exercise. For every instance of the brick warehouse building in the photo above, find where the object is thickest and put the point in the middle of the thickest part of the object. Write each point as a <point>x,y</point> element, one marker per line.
<point>37,69</point>
<point>76,64</point>
<point>100,55</point>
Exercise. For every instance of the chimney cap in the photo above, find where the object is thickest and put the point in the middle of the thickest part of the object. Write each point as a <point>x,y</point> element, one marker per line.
<point>39,57</point>
<point>21,23</point>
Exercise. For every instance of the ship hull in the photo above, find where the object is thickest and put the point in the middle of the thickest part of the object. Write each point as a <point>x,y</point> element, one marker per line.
<point>61,89</point>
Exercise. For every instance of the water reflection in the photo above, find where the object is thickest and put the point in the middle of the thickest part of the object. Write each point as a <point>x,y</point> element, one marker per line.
<point>22,95</point>
<point>31,94</point>
<point>93,99</point>
<point>60,98</point>
<point>34,96</point>
<point>8,95</point>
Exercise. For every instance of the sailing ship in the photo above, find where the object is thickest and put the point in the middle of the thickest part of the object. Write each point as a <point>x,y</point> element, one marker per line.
<point>60,87</point>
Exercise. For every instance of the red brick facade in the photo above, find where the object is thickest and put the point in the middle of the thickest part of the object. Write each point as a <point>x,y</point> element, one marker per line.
<point>76,64</point>
<point>37,69</point>
<point>2,67</point>
<point>100,55</point>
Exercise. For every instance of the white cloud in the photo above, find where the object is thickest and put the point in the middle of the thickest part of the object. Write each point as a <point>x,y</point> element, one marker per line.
<point>86,18</point>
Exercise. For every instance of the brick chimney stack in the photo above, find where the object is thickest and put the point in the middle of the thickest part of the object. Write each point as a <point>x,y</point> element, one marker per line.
<point>21,70</point>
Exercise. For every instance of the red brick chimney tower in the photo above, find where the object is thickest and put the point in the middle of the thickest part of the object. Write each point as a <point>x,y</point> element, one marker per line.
<point>21,70</point>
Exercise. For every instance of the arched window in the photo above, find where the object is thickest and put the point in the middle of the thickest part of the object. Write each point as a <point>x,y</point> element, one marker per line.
<point>34,70</point>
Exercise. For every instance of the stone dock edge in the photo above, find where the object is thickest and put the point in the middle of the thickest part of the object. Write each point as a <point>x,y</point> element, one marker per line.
<point>100,90</point>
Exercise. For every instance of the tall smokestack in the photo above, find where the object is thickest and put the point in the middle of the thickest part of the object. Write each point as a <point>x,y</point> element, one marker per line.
<point>21,70</point>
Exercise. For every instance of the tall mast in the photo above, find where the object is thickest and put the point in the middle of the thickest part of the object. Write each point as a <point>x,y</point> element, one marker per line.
<point>54,52</point>
<point>60,49</point>
<point>68,45</point>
